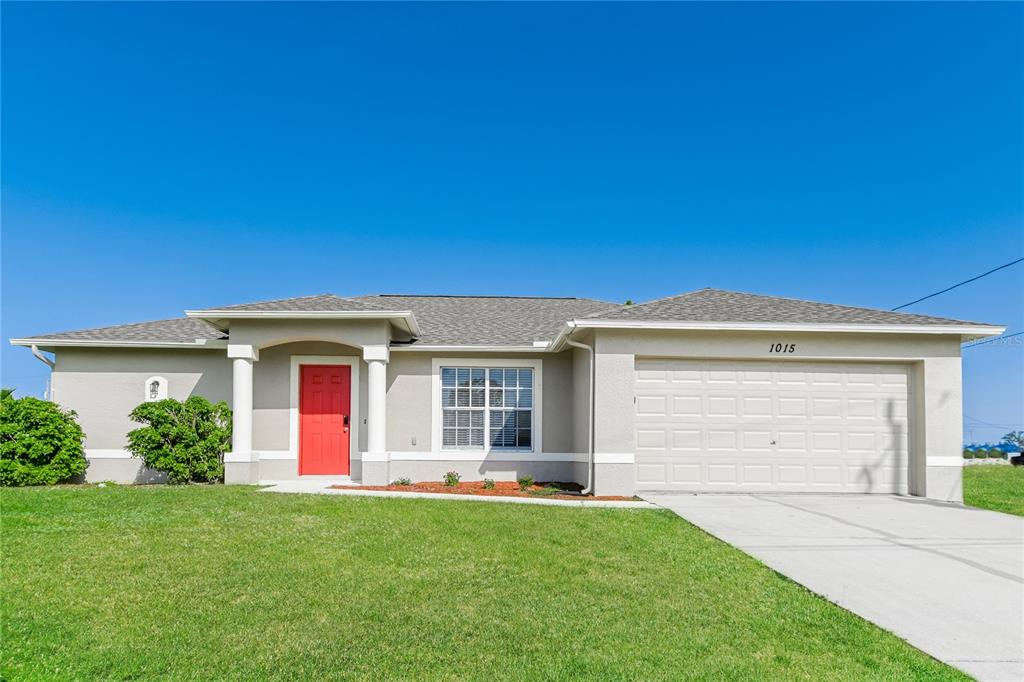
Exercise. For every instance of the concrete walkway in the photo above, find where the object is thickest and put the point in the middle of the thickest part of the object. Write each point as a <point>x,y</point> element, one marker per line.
<point>946,578</point>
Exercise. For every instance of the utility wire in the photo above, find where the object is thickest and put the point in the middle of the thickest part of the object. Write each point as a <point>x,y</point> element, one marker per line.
<point>966,281</point>
<point>998,338</point>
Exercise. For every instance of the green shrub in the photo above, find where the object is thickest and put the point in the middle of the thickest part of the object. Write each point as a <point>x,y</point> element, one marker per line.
<point>968,454</point>
<point>186,440</point>
<point>402,481</point>
<point>40,444</point>
<point>995,453</point>
<point>452,478</point>
<point>488,484</point>
<point>525,482</point>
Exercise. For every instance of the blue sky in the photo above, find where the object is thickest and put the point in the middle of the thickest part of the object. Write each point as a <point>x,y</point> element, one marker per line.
<point>158,157</point>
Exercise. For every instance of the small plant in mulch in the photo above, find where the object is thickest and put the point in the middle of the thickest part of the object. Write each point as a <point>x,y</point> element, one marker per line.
<point>488,484</point>
<point>402,481</point>
<point>525,483</point>
<point>451,479</point>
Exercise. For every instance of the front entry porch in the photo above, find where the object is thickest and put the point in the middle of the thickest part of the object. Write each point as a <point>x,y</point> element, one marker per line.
<point>307,409</point>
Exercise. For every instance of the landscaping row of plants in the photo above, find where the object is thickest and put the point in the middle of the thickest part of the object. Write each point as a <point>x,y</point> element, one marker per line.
<point>991,453</point>
<point>43,444</point>
<point>525,484</point>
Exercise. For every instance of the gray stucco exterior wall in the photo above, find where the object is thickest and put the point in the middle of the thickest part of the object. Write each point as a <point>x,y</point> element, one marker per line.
<point>103,385</point>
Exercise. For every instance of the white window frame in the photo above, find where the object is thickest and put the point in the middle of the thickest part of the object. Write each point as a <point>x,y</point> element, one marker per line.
<point>536,422</point>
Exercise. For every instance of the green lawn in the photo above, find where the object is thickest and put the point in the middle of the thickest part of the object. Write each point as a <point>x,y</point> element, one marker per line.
<point>1000,488</point>
<point>206,582</point>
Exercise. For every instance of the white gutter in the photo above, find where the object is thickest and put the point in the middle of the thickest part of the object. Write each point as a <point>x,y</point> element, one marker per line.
<point>472,349</point>
<point>966,332</point>
<point>42,358</point>
<point>98,343</point>
<point>590,413</point>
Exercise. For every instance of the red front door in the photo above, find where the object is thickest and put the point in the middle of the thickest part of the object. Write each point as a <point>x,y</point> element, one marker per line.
<point>325,399</point>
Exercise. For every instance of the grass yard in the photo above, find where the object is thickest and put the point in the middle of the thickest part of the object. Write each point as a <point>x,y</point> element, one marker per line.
<point>213,582</point>
<point>1000,488</point>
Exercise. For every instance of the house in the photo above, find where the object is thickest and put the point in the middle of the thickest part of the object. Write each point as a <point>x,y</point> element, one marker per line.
<point>706,391</point>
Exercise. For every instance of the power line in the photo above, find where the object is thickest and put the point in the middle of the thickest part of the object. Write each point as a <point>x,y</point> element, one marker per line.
<point>998,338</point>
<point>960,284</point>
<point>980,421</point>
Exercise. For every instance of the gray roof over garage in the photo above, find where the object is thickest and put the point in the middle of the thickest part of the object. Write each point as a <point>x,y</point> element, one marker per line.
<point>717,305</point>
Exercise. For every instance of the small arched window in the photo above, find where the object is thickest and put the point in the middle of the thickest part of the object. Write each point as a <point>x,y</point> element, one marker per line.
<point>156,389</point>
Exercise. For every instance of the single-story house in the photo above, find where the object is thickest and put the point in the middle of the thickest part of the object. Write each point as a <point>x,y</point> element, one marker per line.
<point>708,391</point>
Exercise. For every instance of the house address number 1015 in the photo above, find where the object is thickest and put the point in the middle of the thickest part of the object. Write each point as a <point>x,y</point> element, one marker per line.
<point>782,348</point>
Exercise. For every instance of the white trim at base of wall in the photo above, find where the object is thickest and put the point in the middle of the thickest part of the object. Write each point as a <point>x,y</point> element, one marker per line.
<point>944,461</point>
<point>414,456</point>
<point>474,456</point>
<point>614,458</point>
<point>443,456</point>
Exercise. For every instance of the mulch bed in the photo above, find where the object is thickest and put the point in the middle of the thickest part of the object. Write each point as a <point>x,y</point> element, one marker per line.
<point>500,489</point>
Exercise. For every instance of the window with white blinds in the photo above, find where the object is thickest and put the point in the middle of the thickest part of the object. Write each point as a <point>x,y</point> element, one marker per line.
<point>487,405</point>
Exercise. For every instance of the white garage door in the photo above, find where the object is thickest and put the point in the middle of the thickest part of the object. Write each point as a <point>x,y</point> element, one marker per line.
<point>741,426</point>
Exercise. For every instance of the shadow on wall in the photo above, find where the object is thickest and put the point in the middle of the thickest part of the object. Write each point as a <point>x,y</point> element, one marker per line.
<point>891,451</point>
<point>120,471</point>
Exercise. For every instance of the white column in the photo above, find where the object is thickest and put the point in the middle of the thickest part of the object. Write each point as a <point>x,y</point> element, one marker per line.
<point>376,419</point>
<point>242,358</point>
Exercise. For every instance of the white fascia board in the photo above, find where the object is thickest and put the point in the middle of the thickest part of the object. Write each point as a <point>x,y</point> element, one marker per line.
<point>473,349</point>
<point>406,316</point>
<point>100,343</point>
<point>963,330</point>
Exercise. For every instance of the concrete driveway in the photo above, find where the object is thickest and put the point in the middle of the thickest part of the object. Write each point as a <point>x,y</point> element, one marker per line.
<point>946,578</point>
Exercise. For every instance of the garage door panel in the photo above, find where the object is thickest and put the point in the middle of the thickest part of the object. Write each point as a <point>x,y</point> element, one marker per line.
<point>686,439</point>
<point>686,473</point>
<point>650,473</point>
<point>687,406</point>
<point>792,426</point>
<point>760,474</point>
<point>651,405</point>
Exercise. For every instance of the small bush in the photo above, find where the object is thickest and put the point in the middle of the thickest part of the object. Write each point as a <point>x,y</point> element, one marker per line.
<point>452,478</point>
<point>525,482</point>
<point>968,454</point>
<point>402,481</point>
<point>488,484</point>
<point>40,444</point>
<point>186,440</point>
<point>996,453</point>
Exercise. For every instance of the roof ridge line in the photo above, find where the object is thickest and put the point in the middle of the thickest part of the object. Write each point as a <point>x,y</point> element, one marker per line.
<point>671,296</point>
<point>548,298</point>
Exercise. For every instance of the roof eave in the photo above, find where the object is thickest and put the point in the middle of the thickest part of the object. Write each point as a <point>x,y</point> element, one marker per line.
<point>966,332</point>
<point>403,318</point>
<point>45,343</point>
<point>539,347</point>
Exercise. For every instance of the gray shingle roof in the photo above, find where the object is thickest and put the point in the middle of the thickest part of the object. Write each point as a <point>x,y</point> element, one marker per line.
<point>489,320</point>
<point>716,305</point>
<point>179,329</point>
<point>519,321</point>
<point>318,303</point>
